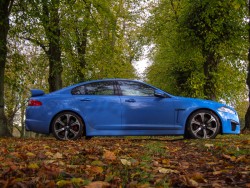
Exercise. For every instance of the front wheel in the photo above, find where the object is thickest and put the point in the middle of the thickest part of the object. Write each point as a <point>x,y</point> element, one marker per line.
<point>203,124</point>
<point>67,126</point>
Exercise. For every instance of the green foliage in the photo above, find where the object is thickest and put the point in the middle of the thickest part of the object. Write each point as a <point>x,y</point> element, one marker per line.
<point>106,29</point>
<point>199,48</point>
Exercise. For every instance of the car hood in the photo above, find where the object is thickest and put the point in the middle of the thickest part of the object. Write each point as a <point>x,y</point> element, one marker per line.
<point>203,102</point>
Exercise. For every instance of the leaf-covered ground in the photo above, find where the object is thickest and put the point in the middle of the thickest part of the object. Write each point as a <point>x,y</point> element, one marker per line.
<point>126,162</point>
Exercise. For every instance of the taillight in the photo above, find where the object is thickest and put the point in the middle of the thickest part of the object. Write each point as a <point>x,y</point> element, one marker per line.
<point>33,102</point>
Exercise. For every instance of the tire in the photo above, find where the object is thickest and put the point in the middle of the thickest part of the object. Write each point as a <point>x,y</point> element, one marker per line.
<point>203,124</point>
<point>67,126</point>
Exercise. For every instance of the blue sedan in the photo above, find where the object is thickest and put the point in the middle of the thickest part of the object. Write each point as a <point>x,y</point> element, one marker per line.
<point>121,107</point>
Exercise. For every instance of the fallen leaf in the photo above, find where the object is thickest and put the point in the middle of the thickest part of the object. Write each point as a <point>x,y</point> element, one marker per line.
<point>167,171</point>
<point>97,163</point>
<point>48,153</point>
<point>231,158</point>
<point>242,159</point>
<point>63,183</point>
<point>108,155</point>
<point>125,162</point>
<point>29,154</point>
<point>58,156</point>
<point>165,161</point>
<point>197,176</point>
<point>97,169</point>
<point>77,181</point>
<point>217,172</point>
<point>209,145</point>
<point>192,183</point>
<point>184,165</point>
<point>98,184</point>
<point>33,166</point>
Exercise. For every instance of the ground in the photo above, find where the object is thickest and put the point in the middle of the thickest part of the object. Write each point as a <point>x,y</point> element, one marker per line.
<point>126,162</point>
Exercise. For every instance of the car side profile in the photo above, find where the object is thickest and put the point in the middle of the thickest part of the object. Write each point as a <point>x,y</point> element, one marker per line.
<point>122,107</point>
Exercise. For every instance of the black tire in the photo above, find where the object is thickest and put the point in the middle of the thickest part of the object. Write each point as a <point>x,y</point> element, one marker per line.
<point>203,124</point>
<point>67,126</point>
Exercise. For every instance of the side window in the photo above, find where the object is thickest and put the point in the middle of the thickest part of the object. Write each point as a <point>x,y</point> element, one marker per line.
<point>135,89</point>
<point>96,88</point>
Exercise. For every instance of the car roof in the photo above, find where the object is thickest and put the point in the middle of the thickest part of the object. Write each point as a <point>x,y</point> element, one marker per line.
<point>66,89</point>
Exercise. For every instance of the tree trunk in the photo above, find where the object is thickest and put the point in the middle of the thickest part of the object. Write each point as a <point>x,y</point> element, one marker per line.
<point>5,6</point>
<point>210,67</point>
<point>247,116</point>
<point>82,39</point>
<point>22,121</point>
<point>51,23</point>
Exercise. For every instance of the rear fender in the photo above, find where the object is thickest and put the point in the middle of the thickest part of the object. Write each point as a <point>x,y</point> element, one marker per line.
<point>36,92</point>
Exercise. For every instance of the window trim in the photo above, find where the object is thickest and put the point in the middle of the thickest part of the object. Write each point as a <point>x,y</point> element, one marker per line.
<point>115,89</point>
<point>120,90</point>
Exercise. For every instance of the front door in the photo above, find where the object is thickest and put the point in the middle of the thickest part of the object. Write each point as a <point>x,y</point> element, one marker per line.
<point>141,110</point>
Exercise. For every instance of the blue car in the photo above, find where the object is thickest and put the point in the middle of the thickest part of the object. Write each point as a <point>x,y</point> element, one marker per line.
<point>121,107</point>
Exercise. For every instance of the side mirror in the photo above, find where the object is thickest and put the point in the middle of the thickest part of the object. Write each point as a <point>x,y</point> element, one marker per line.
<point>159,93</point>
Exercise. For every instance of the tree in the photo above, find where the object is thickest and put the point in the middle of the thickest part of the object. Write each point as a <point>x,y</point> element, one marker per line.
<point>247,116</point>
<point>41,25</point>
<point>214,25</point>
<point>5,10</point>
<point>198,48</point>
<point>98,40</point>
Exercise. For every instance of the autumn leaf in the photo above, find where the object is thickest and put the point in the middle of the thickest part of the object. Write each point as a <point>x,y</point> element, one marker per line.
<point>29,154</point>
<point>97,163</point>
<point>165,161</point>
<point>198,177</point>
<point>57,156</point>
<point>231,158</point>
<point>77,181</point>
<point>125,162</point>
<point>209,145</point>
<point>33,166</point>
<point>108,155</point>
<point>167,171</point>
<point>98,184</point>
<point>76,164</point>
<point>97,169</point>
<point>62,183</point>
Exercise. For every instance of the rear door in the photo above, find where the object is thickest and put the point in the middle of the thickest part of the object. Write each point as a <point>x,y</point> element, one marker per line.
<point>99,104</point>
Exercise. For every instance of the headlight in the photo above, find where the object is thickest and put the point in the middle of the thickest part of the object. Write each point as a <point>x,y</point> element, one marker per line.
<point>225,109</point>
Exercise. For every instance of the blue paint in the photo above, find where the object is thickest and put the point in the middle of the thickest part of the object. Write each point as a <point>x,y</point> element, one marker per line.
<point>120,115</point>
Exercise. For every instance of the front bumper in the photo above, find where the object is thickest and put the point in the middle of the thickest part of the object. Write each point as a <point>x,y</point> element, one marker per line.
<point>230,123</point>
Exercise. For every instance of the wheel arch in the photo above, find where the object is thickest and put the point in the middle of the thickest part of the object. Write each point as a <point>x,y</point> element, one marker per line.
<point>72,111</point>
<point>196,110</point>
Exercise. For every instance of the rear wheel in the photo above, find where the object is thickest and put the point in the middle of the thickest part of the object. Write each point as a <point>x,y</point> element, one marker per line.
<point>203,124</point>
<point>67,126</point>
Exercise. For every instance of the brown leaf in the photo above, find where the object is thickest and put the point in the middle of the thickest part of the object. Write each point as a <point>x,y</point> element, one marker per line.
<point>167,171</point>
<point>98,184</point>
<point>231,158</point>
<point>108,155</point>
<point>97,169</point>
<point>165,161</point>
<point>197,176</point>
<point>58,156</point>
<point>242,159</point>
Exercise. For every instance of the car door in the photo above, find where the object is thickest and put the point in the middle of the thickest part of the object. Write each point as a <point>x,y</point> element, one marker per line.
<point>142,110</point>
<point>99,104</point>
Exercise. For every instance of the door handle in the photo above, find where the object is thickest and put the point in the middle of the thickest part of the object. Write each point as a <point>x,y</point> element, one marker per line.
<point>86,99</point>
<point>130,100</point>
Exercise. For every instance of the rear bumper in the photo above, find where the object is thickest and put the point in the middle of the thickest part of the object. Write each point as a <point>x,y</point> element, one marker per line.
<point>37,126</point>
